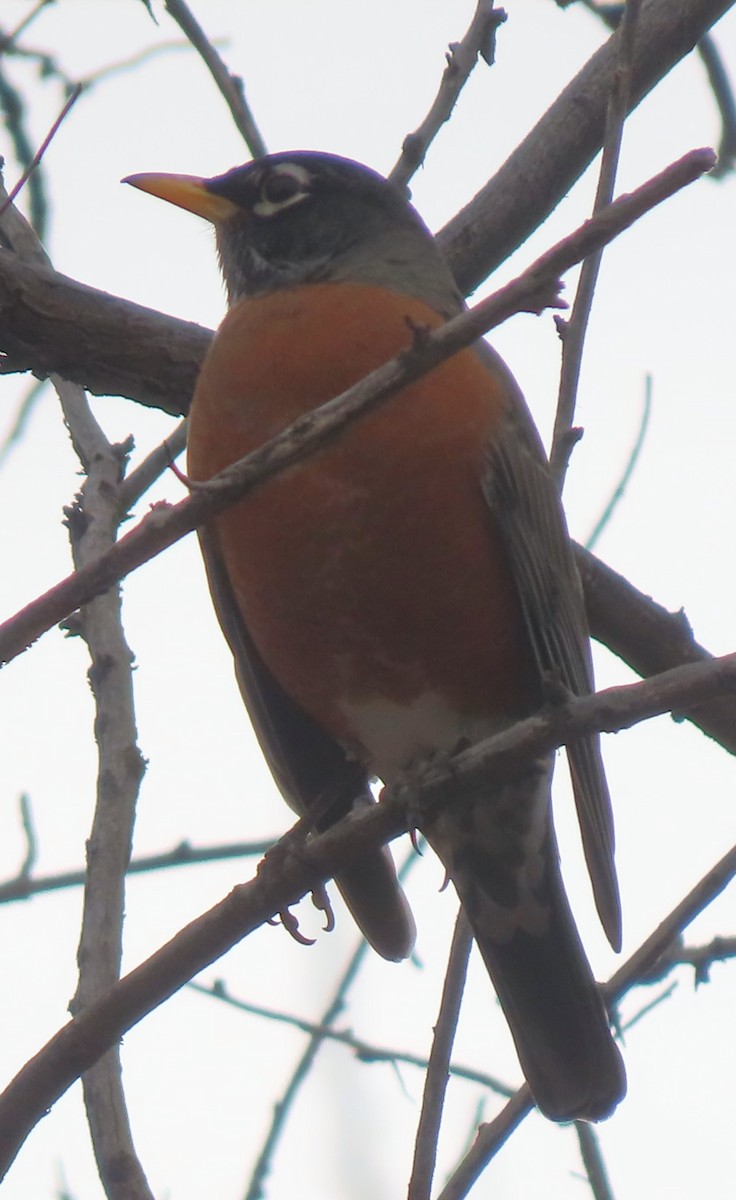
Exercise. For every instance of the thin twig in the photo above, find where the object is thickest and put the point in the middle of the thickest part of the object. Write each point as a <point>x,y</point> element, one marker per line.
<point>701,958</point>
<point>491,1136</point>
<point>573,331</point>
<point>140,479</point>
<point>593,1161</point>
<point>366,1052</point>
<point>461,59</point>
<point>7,42</point>
<point>643,960</point>
<point>282,1109</point>
<point>620,489</point>
<point>646,1009</point>
<point>534,290</point>
<point>14,119</point>
<point>723,92</point>
<point>230,86</point>
<point>23,887</point>
<point>435,1084</point>
<point>29,832</point>
<point>71,99</point>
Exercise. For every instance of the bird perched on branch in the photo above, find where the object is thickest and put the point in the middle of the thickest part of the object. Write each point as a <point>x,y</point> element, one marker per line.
<point>405,591</point>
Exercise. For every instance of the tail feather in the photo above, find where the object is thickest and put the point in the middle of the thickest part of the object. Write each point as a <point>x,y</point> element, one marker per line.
<point>556,1015</point>
<point>376,899</point>
<point>500,852</point>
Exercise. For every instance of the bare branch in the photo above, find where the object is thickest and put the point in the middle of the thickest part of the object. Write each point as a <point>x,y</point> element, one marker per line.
<point>29,832</point>
<point>592,1156</point>
<point>491,1136</point>
<point>367,1052</point>
<point>435,1083</point>
<point>648,1008</point>
<point>7,42</point>
<point>23,886</point>
<point>701,958</point>
<point>565,141</point>
<point>138,481</point>
<point>230,86</point>
<point>49,322</point>
<point>92,523</point>
<point>304,1065</point>
<point>463,55</point>
<point>649,638</point>
<point>618,492</point>
<point>573,331</point>
<point>642,961</point>
<point>32,165</point>
<point>723,92</point>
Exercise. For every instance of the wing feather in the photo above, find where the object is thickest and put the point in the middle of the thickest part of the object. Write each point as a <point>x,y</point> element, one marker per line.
<point>521,493</point>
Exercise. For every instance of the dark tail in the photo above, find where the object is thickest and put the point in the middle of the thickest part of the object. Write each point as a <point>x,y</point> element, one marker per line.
<point>501,854</point>
<point>375,897</point>
<point>557,1017</point>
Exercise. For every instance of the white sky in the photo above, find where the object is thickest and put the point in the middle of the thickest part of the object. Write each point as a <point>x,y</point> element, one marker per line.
<point>202,1079</point>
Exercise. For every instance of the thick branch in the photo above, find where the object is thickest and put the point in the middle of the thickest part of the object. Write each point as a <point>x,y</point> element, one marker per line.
<point>49,322</point>
<point>649,639</point>
<point>566,139</point>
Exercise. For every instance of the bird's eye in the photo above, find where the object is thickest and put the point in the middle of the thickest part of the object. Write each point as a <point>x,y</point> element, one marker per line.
<point>282,187</point>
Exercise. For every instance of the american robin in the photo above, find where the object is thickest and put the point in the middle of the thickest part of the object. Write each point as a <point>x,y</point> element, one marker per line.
<point>406,591</point>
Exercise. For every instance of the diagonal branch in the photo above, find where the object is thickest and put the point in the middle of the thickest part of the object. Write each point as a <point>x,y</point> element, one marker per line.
<point>230,86</point>
<point>476,43</point>
<point>573,331</point>
<point>566,139</point>
<point>438,1067</point>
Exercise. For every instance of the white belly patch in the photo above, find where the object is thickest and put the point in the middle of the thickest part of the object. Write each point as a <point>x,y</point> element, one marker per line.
<point>395,736</point>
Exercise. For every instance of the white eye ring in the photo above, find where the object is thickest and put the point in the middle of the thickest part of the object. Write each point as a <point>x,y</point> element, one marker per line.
<point>288,184</point>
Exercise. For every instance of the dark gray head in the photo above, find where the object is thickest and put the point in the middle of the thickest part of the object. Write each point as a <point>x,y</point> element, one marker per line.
<point>305,217</point>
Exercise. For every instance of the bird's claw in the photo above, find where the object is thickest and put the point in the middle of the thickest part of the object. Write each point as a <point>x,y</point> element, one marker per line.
<point>291,924</point>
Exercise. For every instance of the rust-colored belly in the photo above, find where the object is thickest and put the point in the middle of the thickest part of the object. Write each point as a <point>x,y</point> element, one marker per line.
<point>371,574</point>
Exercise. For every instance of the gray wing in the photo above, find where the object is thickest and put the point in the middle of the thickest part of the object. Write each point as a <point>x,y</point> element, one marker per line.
<point>522,495</point>
<point>313,773</point>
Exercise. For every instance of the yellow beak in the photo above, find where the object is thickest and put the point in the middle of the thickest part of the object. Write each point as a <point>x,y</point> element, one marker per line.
<point>186,191</point>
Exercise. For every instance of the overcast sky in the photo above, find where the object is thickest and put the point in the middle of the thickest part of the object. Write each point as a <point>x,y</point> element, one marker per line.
<point>202,1078</point>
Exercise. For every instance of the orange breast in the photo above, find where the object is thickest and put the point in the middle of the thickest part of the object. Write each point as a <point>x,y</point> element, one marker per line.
<point>373,569</point>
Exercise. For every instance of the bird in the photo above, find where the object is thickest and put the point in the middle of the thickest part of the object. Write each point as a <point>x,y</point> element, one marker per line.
<point>406,591</point>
